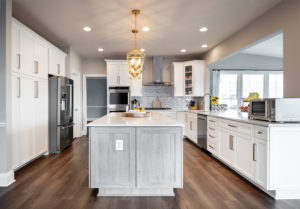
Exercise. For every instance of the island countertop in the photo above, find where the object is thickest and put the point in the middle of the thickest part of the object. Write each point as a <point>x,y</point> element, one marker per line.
<point>116,119</point>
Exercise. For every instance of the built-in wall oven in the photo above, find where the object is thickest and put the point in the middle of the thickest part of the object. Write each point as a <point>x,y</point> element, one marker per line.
<point>118,98</point>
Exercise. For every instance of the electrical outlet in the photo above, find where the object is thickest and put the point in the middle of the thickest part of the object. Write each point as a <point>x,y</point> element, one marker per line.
<point>119,144</point>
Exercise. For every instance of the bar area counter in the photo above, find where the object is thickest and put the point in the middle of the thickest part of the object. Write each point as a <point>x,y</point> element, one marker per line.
<point>135,156</point>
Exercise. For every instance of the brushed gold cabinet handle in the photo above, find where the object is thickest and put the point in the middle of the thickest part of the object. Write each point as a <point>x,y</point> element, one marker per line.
<point>36,67</point>
<point>212,129</point>
<point>212,136</point>
<point>260,132</point>
<point>212,121</point>
<point>36,90</point>
<point>58,68</point>
<point>211,146</point>
<point>191,125</point>
<point>19,61</point>
<point>19,87</point>
<point>233,126</point>
<point>254,152</point>
<point>231,142</point>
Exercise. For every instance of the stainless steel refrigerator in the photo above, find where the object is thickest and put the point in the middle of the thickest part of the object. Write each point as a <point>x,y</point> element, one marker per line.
<point>60,113</point>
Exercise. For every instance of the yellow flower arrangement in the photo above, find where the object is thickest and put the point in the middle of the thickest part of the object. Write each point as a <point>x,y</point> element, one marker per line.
<point>214,100</point>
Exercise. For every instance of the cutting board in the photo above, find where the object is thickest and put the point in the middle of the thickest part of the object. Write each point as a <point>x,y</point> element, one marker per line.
<point>156,103</point>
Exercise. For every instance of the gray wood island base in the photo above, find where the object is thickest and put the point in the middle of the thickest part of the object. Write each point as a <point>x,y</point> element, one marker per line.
<point>135,156</point>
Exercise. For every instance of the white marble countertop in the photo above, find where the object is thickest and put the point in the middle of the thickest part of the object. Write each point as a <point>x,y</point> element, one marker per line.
<point>116,119</point>
<point>242,117</point>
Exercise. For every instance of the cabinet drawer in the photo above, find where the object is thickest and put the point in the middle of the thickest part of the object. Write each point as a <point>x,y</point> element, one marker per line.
<point>212,137</point>
<point>212,147</point>
<point>261,132</point>
<point>212,122</point>
<point>212,129</point>
<point>237,127</point>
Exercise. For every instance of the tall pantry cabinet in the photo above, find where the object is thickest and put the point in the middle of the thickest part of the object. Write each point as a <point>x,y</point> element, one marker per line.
<point>30,63</point>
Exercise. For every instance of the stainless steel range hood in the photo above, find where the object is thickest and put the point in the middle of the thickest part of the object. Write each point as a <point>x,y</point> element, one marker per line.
<point>157,65</point>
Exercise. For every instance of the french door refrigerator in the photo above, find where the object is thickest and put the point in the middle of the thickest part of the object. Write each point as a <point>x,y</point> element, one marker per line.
<point>60,113</point>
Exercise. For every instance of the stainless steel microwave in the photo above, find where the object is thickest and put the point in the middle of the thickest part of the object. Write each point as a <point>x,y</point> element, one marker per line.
<point>118,98</point>
<point>275,110</point>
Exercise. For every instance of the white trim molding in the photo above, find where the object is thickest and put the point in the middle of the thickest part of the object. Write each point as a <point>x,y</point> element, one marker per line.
<point>7,179</point>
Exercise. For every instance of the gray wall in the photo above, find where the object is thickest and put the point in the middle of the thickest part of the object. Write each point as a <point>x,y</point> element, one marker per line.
<point>5,89</point>
<point>285,16</point>
<point>96,97</point>
<point>249,62</point>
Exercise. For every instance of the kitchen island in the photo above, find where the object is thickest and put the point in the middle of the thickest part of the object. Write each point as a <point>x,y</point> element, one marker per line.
<point>135,156</point>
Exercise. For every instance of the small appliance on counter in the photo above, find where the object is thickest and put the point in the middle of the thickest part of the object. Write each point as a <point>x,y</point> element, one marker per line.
<point>275,109</point>
<point>60,113</point>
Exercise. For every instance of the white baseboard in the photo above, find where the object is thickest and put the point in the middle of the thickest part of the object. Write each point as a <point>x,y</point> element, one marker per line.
<point>7,179</point>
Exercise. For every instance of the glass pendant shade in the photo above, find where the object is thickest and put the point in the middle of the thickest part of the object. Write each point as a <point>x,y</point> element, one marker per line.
<point>135,61</point>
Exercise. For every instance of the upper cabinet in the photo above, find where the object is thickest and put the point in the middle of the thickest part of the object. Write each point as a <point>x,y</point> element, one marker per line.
<point>178,79</point>
<point>117,75</point>
<point>34,56</point>
<point>194,78</point>
<point>189,78</point>
<point>57,62</point>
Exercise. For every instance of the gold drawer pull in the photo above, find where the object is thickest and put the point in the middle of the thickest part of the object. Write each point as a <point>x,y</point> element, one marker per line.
<point>211,146</point>
<point>260,132</point>
<point>212,121</point>
<point>212,129</point>
<point>233,126</point>
<point>212,136</point>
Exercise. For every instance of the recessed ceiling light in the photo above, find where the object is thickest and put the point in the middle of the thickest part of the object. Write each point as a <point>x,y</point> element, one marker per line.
<point>204,45</point>
<point>87,28</point>
<point>100,49</point>
<point>146,28</point>
<point>142,50</point>
<point>203,29</point>
<point>183,50</point>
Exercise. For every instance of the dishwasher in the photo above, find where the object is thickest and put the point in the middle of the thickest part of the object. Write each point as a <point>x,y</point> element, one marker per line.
<point>202,131</point>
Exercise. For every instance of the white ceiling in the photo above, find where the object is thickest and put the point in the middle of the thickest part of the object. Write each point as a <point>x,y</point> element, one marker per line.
<point>174,24</point>
<point>272,47</point>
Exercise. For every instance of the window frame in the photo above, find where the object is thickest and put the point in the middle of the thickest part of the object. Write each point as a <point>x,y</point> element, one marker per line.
<point>240,74</point>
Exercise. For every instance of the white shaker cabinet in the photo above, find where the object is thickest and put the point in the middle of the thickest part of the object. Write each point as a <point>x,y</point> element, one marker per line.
<point>244,158</point>
<point>226,152</point>
<point>178,79</point>
<point>194,78</point>
<point>136,87</point>
<point>117,73</point>
<point>40,59</point>
<point>57,62</point>
<point>191,131</point>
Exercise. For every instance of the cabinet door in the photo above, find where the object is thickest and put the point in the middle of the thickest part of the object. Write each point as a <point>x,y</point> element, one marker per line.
<point>53,67</point>
<point>40,59</point>
<point>226,146</point>
<point>136,87</point>
<point>26,120</point>
<point>159,157</point>
<point>178,79</point>
<point>112,157</point>
<point>186,125</point>
<point>244,155</point>
<point>15,120</point>
<point>26,53</point>
<point>113,74</point>
<point>61,62</point>
<point>124,75</point>
<point>40,118</point>
<point>194,134</point>
<point>261,166</point>
<point>15,49</point>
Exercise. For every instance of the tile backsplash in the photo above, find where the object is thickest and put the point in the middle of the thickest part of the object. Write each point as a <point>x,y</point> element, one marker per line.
<point>164,93</point>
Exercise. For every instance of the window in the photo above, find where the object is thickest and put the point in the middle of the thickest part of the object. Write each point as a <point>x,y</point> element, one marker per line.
<point>228,90</point>
<point>253,83</point>
<point>276,85</point>
<point>233,86</point>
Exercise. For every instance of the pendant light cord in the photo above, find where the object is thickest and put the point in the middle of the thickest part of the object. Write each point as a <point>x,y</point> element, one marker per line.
<point>135,31</point>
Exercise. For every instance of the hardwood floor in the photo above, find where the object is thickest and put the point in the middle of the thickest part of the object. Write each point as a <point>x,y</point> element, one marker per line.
<point>61,181</point>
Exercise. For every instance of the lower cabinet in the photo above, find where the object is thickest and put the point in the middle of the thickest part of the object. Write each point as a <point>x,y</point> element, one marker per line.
<point>244,155</point>
<point>135,158</point>
<point>191,126</point>
<point>227,146</point>
<point>113,157</point>
<point>29,119</point>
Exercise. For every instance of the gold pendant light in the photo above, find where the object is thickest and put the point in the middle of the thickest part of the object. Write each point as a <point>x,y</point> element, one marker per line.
<point>135,57</point>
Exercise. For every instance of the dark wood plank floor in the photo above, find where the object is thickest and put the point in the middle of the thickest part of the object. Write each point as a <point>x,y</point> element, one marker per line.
<point>61,181</point>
